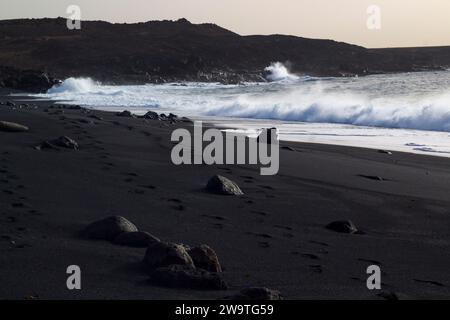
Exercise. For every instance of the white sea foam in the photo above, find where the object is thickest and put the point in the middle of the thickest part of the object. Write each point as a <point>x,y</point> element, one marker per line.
<point>279,72</point>
<point>74,85</point>
<point>414,101</point>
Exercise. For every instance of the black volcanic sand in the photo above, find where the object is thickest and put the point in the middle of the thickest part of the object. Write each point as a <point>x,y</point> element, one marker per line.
<point>274,236</point>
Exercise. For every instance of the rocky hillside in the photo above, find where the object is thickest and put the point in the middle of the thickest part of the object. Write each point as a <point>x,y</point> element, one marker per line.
<point>160,51</point>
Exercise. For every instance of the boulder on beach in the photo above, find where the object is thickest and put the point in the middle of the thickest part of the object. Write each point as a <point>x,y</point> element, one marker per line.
<point>257,294</point>
<point>204,257</point>
<point>221,185</point>
<point>151,115</point>
<point>61,142</point>
<point>125,113</point>
<point>137,239</point>
<point>163,254</point>
<point>12,127</point>
<point>109,228</point>
<point>179,276</point>
<point>343,226</point>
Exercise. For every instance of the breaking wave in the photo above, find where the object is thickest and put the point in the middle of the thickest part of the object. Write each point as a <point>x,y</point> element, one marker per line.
<point>279,72</point>
<point>411,101</point>
<point>80,85</point>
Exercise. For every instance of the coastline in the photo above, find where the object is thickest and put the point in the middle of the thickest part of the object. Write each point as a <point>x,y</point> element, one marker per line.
<point>273,236</point>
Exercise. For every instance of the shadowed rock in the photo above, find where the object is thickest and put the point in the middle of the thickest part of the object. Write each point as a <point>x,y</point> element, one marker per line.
<point>135,239</point>
<point>344,226</point>
<point>109,228</point>
<point>205,258</point>
<point>61,142</point>
<point>125,113</point>
<point>256,293</point>
<point>178,276</point>
<point>12,127</point>
<point>221,185</point>
<point>163,254</point>
<point>151,115</point>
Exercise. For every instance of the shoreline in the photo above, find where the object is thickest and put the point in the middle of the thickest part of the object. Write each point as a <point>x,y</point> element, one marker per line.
<point>412,141</point>
<point>274,235</point>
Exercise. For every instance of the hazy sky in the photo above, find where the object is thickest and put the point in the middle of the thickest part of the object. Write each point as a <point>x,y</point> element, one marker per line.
<point>403,22</point>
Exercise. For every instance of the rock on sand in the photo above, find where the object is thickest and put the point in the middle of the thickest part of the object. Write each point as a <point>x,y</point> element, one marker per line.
<point>12,127</point>
<point>221,185</point>
<point>109,228</point>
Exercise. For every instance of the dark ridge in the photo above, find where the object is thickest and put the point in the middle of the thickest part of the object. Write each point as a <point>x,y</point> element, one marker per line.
<point>161,51</point>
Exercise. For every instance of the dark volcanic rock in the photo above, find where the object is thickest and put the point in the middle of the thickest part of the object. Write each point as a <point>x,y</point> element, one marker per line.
<point>109,228</point>
<point>178,276</point>
<point>256,293</point>
<point>26,80</point>
<point>135,239</point>
<point>125,113</point>
<point>205,258</point>
<point>163,254</point>
<point>61,142</point>
<point>344,226</point>
<point>221,185</point>
<point>151,115</point>
<point>12,127</point>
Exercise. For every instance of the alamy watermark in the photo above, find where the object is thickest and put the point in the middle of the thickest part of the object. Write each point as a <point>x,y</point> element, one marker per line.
<point>73,281</point>
<point>74,17</point>
<point>226,148</point>
<point>374,19</point>
<point>374,280</point>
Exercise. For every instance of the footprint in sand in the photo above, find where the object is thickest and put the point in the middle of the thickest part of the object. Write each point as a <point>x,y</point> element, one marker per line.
<point>283,227</point>
<point>317,268</point>
<point>179,207</point>
<point>429,282</point>
<point>260,235</point>
<point>310,256</point>
<point>137,191</point>
<point>375,178</point>
<point>151,187</point>
<point>264,244</point>
<point>319,243</point>
<point>18,205</point>
<point>261,213</point>
<point>218,226</point>
<point>266,187</point>
<point>374,262</point>
<point>288,235</point>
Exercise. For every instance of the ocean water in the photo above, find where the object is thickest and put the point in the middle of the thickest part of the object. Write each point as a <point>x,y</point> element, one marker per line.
<point>406,112</point>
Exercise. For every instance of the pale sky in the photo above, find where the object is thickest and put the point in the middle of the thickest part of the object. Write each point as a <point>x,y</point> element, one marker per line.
<point>403,22</point>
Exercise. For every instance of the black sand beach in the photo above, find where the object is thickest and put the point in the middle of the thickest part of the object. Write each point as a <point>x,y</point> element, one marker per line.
<point>273,236</point>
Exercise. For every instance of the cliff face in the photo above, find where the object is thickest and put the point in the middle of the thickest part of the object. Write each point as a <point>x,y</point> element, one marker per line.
<point>160,51</point>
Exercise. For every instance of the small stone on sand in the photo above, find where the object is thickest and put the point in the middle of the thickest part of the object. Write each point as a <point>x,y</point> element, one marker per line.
<point>205,258</point>
<point>12,127</point>
<point>221,185</point>
<point>109,228</point>
<point>163,254</point>
<point>344,226</point>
